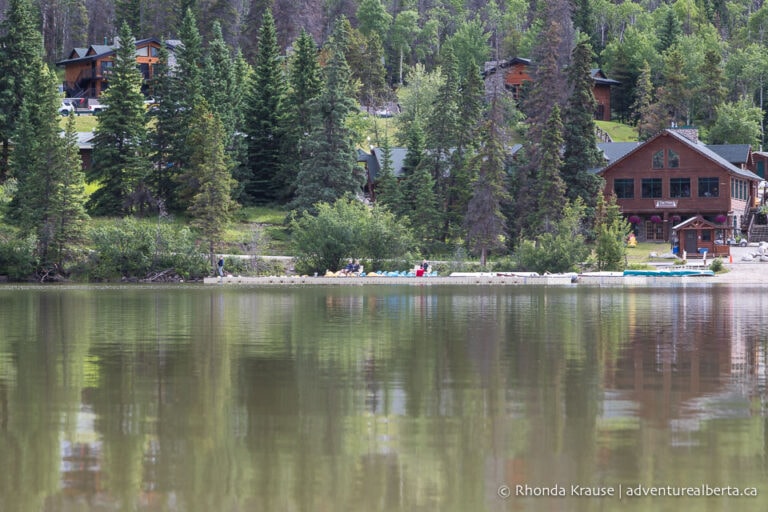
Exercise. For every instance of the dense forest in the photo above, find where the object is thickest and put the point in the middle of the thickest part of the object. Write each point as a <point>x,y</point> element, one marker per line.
<point>263,106</point>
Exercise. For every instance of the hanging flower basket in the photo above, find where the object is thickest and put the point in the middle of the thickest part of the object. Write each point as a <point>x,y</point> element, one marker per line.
<point>720,219</point>
<point>676,219</point>
<point>634,219</point>
<point>655,219</point>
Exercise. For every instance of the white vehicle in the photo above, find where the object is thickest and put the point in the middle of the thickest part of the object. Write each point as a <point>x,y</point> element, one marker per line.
<point>66,109</point>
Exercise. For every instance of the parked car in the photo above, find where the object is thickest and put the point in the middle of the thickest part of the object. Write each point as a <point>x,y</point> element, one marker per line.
<point>66,108</point>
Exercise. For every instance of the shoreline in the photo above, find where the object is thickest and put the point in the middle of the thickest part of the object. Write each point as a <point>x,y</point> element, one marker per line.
<point>742,273</point>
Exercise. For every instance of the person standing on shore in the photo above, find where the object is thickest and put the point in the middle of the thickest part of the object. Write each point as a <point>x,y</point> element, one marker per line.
<point>220,266</point>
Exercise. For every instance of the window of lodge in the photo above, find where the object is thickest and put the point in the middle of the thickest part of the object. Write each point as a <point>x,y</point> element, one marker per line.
<point>708,187</point>
<point>624,188</point>
<point>680,187</point>
<point>673,159</point>
<point>651,188</point>
<point>658,159</point>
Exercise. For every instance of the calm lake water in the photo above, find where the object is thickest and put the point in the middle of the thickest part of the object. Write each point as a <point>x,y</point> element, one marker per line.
<point>192,398</point>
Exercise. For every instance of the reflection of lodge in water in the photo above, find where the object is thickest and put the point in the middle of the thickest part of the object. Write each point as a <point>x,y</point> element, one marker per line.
<point>698,347</point>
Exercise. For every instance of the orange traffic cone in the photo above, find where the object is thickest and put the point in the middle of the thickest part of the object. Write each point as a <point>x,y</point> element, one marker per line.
<point>730,258</point>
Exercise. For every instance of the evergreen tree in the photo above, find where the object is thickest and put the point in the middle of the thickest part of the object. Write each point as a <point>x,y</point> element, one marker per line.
<point>70,198</point>
<point>423,210</point>
<point>388,192</point>
<point>128,11</point>
<point>329,171</point>
<point>581,152</point>
<point>443,121</point>
<point>120,162</point>
<point>219,80</point>
<point>164,135</point>
<point>550,187</point>
<point>305,85</point>
<point>643,107</point>
<point>485,220</point>
<point>177,91</point>
<point>673,95</point>
<point>50,196</point>
<point>611,232</point>
<point>212,205</point>
<point>669,31</point>
<point>266,96</point>
<point>712,92</point>
<point>21,50</point>
<point>584,21</point>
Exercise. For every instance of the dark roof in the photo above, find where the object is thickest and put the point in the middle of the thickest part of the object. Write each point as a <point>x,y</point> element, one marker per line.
<point>614,150</point>
<point>492,66</point>
<point>737,154</point>
<point>696,146</point>
<point>599,77</point>
<point>96,51</point>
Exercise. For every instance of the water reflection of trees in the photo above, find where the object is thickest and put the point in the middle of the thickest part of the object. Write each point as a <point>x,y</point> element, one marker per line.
<point>367,399</point>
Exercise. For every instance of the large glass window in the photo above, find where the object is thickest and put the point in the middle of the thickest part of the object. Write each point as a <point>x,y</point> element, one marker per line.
<point>658,159</point>
<point>673,159</point>
<point>708,187</point>
<point>624,188</point>
<point>651,187</point>
<point>680,187</point>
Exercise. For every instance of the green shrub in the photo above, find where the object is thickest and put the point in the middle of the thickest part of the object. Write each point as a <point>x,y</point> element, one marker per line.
<point>17,255</point>
<point>347,229</point>
<point>134,248</point>
<point>716,265</point>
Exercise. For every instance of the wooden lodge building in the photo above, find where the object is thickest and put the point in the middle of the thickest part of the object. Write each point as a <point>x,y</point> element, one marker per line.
<point>87,70</point>
<point>517,74</point>
<point>672,184</point>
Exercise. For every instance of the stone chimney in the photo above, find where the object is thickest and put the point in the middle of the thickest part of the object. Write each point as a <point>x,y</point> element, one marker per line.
<point>689,132</point>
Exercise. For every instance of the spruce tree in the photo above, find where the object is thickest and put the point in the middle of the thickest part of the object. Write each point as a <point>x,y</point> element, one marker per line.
<point>212,205</point>
<point>643,111</point>
<point>175,114</point>
<point>485,221</point>
<point>223,92</point>
<point>120,162</point>
<point>329,171</point>
<point>712,91</point>
<point>21,50</point>
<point>266,97</point>
<point>388,192</point>
<point>550,187</point>
<point>305,84</point>
<point>611,231</point>
<point>581,152</point>
<point>50,196</point>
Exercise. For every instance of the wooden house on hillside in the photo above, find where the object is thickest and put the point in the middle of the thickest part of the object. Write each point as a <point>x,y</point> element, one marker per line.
<point>517,73</point>
<point>87,70</point>
<point>672,177</point>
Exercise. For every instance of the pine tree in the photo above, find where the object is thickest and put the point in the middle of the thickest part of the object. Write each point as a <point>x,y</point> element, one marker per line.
<point>120,162</point>
<point>265,101</point>
<point>21,50</point>
<point>212,205</point>
<point>581,152</point>
<point>423,210</point>
<point>164,135</point>
<point>329,171</point>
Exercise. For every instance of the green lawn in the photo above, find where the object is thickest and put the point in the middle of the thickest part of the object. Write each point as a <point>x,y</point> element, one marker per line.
<point>84,123</point>
<point>618,132</point>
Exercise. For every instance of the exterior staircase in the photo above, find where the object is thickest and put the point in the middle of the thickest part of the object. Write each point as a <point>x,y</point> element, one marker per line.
<point>759,233</point>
